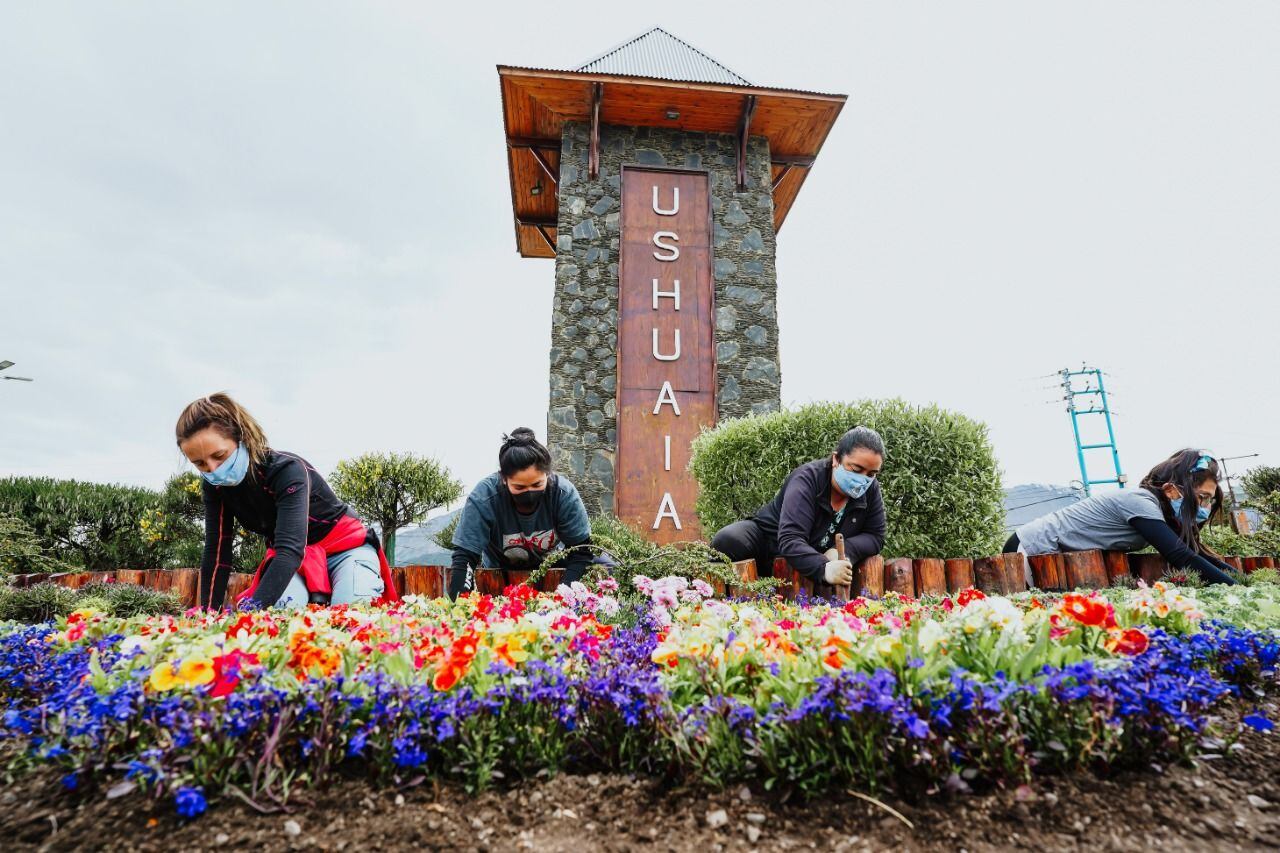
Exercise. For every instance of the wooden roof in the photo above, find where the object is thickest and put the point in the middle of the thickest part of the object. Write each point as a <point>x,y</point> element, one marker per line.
<point>537,102</point>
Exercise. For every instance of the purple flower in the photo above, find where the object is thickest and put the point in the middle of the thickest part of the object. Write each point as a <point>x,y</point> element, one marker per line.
<point>190,801</point>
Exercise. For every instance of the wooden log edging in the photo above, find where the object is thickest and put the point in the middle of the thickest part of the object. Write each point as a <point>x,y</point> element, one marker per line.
<point>1002,574</point>
<point>930,576</point>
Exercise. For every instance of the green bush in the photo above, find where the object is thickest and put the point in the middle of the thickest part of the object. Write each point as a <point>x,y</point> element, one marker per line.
<point>94,525</point>
<point>1261,481</point>
<point>21,551</point>
<point>47,601</point>
<point>940,480</point>
<point>444,536</point>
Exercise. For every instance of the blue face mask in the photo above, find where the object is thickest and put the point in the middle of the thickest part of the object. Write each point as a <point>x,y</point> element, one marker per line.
<point>853,484</point>
<point>1202,513</point>
<point>231,472</point>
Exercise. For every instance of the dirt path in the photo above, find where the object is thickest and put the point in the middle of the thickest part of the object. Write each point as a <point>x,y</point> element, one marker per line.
<point>1227,803</point>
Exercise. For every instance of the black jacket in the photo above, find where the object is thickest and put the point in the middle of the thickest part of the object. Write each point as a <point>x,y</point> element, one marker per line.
<point>800,514</point>
<point>284,500</point>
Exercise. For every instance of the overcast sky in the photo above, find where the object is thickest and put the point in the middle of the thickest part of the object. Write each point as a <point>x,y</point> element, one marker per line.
<point>308,205</point>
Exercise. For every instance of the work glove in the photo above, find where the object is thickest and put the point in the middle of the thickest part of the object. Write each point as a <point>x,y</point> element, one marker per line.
<point>831,554</point>
<point>839,573</point>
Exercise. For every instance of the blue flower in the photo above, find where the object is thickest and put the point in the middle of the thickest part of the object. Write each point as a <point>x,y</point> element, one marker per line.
<point>1259,722</point>
<point>190,802</point>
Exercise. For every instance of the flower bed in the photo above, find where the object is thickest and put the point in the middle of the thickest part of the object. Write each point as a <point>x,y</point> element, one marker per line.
<point>804,696</point>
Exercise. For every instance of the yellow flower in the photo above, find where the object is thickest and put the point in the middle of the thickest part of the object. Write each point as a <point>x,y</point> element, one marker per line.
<point>189,673</point>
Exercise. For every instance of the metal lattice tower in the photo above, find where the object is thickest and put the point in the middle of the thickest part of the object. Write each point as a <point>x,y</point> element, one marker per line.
<point>1096,391</point>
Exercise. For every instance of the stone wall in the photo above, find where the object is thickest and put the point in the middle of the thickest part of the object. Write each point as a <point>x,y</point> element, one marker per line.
<point>581,422</point>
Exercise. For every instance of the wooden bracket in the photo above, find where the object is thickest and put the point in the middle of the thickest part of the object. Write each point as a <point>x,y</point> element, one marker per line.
<point>744,129</point>
<point>546,167</point>
<point>593,157</point>
<point>551,244</point>
<point>786,170</point>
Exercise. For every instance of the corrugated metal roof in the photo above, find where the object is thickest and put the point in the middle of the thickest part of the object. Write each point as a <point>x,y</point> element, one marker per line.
<point>662,56</point>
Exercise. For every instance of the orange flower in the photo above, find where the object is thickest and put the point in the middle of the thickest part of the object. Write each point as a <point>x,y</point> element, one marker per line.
<point>447,677</point>
<point>1130,642</point>
<point>1089,611</point>
<point>836,652</point>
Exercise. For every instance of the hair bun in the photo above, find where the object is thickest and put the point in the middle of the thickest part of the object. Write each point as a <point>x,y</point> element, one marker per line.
<point>520,436</point>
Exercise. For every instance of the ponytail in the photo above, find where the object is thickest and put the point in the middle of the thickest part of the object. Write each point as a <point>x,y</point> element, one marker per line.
<point>231,420</point>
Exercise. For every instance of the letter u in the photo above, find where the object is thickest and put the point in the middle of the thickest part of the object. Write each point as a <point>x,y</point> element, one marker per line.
<point>675,203</point>
<point>658,354</point>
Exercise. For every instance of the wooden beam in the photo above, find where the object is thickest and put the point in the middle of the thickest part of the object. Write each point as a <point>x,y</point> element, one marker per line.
<point>744,129</point>
<point>546,167</point>
<point>786,170</point>
<point>534,222</point>
<point>532,142</point>
<point>542,229</point>
<point>800,160</point>
<point>593,158</point>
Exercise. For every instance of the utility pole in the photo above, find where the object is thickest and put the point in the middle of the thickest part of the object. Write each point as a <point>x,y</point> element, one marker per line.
<point>1237,522</point>
<point>1095,390</point>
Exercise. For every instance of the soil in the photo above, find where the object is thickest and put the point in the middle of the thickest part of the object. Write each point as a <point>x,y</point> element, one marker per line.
<point>1230,802</point>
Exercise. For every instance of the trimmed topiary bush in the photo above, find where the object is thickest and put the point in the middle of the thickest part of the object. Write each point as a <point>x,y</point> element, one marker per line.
<point>941,482</point>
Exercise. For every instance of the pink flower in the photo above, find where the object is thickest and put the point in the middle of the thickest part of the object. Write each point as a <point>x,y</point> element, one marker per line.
<point>703,588</point>
<point>665,597</point>
<point>607,585</point>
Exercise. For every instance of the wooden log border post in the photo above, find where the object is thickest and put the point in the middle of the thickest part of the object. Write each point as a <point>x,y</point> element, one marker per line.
<point>1002,574</point>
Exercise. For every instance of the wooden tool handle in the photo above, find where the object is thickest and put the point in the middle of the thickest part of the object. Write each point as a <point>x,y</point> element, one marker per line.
<point>842,591</point>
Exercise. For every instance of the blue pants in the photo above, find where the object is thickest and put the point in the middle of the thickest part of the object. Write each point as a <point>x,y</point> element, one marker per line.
<point>356,576</point>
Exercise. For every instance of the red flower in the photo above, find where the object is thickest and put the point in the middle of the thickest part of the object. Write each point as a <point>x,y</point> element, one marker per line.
<point>520,592</point>
<point>1130,642</point>
<point>226,671</point>
<point>969,595</point>
<point>1089,611</point>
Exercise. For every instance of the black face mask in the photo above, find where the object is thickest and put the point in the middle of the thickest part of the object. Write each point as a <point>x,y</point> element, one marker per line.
<point>527,501</point>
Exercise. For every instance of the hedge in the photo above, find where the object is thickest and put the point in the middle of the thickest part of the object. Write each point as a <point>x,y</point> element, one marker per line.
<point>941,483</point>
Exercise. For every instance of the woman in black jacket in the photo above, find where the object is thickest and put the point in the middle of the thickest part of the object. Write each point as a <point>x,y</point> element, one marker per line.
<point>837,494</point>
<point>318,550</point>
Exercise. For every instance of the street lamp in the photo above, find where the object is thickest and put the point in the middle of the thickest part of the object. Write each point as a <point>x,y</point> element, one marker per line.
<point>6,364</point>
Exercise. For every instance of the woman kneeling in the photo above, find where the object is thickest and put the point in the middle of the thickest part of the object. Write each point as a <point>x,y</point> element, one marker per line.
<point>1166,512</point>
<point>318,550</point>
<point>837,494</point>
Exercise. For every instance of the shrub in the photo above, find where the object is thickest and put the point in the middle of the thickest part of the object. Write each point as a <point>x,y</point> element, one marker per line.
<point>941,482</point>
<point>47,601</point>
<point>444,536</point>
<point>1261,481</point>
<point>21,551</point>
<point>94,525</point>
<point>636,555</point>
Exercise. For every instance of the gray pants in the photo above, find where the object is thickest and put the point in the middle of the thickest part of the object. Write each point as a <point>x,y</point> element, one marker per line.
<point>356,576</point>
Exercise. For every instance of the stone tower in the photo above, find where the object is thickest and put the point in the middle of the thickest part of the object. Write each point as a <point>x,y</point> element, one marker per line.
<point>657,178</point>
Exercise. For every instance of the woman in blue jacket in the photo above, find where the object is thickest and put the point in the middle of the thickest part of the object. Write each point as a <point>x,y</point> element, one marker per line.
<point>836,494</point>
